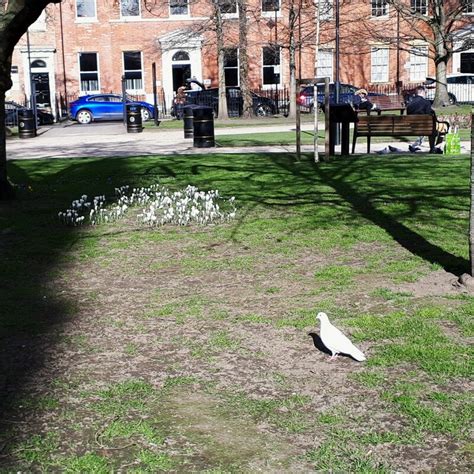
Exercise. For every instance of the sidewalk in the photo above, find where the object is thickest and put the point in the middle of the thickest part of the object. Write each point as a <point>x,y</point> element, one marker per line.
<point>111,140</point>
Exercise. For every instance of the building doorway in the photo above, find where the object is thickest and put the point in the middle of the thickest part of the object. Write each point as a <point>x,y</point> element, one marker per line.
<point>181,72</point>
<point>42,90</point>
<point>181,67</point>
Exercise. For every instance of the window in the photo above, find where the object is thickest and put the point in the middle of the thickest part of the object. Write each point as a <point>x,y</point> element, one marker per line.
<point>85,8</point>
<point>179,7</point>
<point>132,69</point>
<point>180,56</point>
<point>420,6</point>
<point>38,63</point>
<point>418,63</point>
<point>325,63</point>
<point>89,72</point>
<point>270,5</point>
<point>271,65</point>
<point>467,63</point>
<point>130,7</point>
<point>228,7</point>
<point>327,9</point>
<point>231,66</point>
<point>469,6</point>
<point>379,7</point>
<point>379,65</point>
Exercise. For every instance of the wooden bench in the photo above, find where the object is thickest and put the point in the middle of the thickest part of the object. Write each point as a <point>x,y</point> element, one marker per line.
<point>398,126</point>
<point>387,103</point>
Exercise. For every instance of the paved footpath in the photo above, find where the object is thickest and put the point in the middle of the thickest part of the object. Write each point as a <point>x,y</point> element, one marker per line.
<point>71,140</point>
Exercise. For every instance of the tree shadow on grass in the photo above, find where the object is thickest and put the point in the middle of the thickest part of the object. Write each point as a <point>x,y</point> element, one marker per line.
<point>343,180</point>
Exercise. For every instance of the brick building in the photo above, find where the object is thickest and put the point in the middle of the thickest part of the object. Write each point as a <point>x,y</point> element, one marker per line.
<point>86,46</point>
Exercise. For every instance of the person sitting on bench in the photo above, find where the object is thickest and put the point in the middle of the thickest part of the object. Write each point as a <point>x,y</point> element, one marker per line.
<point>362,102</point>
<point>419,105</point>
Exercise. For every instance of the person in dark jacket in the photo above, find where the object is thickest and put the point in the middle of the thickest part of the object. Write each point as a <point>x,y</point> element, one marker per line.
<point>419,105</point>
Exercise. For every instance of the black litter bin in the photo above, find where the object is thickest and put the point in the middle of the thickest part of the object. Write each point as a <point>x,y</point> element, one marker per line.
<point>203,127</point>
<point>26,123</point>
<point>134,118</point>
<point>188,119</point>
<point>342,114</point>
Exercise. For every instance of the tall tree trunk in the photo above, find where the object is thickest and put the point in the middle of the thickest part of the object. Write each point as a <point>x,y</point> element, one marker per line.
<point>247,109</point>
<point>6,189</point>
<point>471,214</point>
<point>441,58</point>
<point>223,113</point>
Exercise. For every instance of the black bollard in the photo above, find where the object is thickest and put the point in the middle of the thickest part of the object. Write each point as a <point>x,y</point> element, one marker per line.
<point>134,118</point>
<point>203,127</point>
<point>26,123</point>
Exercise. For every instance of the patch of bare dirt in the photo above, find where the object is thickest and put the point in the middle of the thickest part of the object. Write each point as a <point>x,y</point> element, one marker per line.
<point>147,318</point>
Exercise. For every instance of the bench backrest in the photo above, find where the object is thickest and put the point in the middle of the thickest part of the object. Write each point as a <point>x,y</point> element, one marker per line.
<point>388,101</point>
<point>383,125</point>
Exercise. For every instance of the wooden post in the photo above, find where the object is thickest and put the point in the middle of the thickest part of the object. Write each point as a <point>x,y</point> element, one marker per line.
<point>327,152</point>
<point>298,122</point>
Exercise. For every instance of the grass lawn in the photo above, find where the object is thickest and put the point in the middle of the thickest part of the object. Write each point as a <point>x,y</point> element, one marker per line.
<point>188,349</point>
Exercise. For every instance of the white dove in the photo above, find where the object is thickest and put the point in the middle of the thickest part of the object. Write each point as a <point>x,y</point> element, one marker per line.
<point>337,342</point>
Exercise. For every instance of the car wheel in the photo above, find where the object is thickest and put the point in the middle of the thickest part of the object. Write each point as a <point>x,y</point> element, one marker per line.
<point>84,117</point>
<point>263,110</point>
<point>452,99</point>
<point>146,115</point>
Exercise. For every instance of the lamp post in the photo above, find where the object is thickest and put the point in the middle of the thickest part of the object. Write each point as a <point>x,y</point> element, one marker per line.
<point>32,83</point>
<point>276,6</point>
<point>63,57</point>
<point>337,84</point>
<point>399,84</point>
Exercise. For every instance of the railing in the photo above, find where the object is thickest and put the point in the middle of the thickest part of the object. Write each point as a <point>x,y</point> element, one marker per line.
<point>463,93</point>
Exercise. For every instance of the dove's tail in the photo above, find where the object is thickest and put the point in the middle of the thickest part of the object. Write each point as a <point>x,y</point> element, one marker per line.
<point>357,354</point>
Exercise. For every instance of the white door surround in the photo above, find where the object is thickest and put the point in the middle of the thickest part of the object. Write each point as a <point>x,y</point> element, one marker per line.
<point>180,40</point>
<point>45,54</point>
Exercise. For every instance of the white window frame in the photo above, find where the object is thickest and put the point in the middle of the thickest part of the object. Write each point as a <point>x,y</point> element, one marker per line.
<point>130,17</point>
<point>418,63</point>
<point>181,15</point>
<point>141,89</point>
<point>380,5</point>
<point>327,10</point>
<point>379,63</point>
<point>420,6</point>
<point>469,9</point>
<point>271,13</point>
<point>233,14</point>
<point>278,66</point>
<point>92,91</point>
<point>234,67</point>
<point>86,18</point>
<point>325,68</point>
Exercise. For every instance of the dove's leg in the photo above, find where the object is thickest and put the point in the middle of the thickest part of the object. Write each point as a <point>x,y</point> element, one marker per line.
<point>334,355</point>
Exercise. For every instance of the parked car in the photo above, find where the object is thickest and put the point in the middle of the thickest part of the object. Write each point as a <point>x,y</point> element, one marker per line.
<point>262,106</point>
<point>11,114</point>
<point>460,88</point>
<point>346,95</point>
<point>89,108</point>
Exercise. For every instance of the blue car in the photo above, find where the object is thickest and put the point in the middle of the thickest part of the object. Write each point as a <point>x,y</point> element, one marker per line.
<point>89,108</point>
<point>346,95</point>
